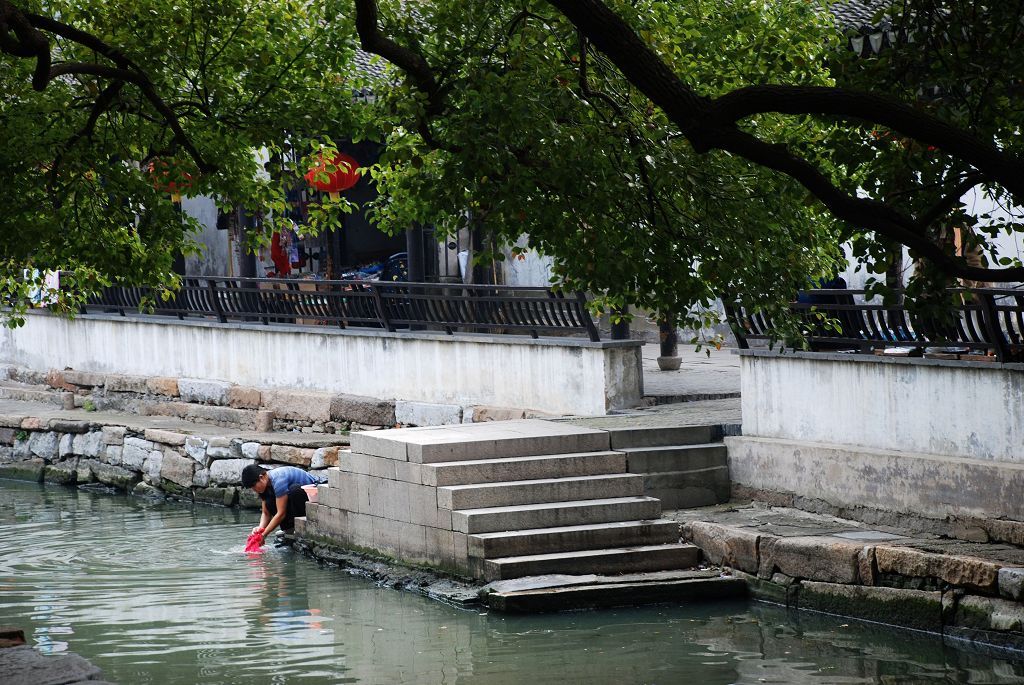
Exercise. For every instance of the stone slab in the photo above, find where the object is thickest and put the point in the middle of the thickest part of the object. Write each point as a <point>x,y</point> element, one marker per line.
<point>493,440</point>
<point>910,608</point>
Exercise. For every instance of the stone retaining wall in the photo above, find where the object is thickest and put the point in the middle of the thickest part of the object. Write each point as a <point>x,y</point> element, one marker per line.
<point>936,589</point>
<point>146,461</point>
<point>230,405</point>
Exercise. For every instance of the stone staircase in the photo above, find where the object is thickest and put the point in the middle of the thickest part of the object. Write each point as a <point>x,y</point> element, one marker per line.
<point>506,500</point>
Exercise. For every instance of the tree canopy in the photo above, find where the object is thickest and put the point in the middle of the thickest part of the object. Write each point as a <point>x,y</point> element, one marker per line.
<point>663,153</point>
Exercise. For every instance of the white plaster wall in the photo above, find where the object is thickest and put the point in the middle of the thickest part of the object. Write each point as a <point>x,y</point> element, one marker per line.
<point>215,259</point>
<point>562,376</point>
<point>925,406</point>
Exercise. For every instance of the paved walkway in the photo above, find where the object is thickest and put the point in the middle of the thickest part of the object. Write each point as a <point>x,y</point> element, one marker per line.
<point>700,376</point>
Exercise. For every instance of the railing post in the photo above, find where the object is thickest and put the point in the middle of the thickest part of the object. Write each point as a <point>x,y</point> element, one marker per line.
<point>994,330</point>
<point>215,300</point>
<point>592,331</point>
<point>378,301</point>
<point>733,319</point>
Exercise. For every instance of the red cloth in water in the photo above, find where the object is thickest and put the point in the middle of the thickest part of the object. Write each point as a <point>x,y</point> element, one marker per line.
<point>255,541</point>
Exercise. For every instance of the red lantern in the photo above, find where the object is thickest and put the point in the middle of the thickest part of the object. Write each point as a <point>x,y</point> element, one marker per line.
<point>345,175</point>
<point>167,179</point>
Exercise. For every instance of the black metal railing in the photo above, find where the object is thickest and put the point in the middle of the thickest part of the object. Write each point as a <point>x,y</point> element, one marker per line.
<point>985,321</point>
<point>375,304</point>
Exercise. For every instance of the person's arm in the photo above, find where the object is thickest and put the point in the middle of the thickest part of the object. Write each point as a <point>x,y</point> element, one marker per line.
<point>282,509</point>
<point>264,517</point>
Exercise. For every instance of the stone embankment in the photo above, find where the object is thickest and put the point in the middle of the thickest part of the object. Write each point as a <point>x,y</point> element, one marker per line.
<point>961,590</point>
<point>149,456</point>
<point>224,404</point>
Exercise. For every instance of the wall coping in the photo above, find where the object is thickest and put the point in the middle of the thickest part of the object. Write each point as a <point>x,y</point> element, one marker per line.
<point>481,338</point>
<point>858,358</point>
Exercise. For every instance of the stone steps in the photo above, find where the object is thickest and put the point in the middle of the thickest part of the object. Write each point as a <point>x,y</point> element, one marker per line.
<point>660,436</point>
<point>620,560</point>
<point>555,514</point>
<point>689,489</point>
<point>523,468</point>
<point>572,538</point>
<point>675,458</point>
<point>568,489</point>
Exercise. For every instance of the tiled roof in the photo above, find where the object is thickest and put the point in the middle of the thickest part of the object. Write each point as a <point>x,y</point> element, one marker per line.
<point>858,15</point>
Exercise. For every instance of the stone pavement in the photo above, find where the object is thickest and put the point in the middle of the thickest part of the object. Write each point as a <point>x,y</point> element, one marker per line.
<point>699,377</point>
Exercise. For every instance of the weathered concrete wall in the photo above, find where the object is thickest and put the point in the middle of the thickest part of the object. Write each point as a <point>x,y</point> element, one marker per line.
<point>922,484</point>
<point>957,409</point>
<point>559,376</point>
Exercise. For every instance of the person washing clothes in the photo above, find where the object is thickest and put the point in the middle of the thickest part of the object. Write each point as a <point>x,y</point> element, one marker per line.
<point>281,495</point>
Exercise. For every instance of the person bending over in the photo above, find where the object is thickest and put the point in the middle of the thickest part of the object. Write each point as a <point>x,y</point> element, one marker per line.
<point>281,495</point>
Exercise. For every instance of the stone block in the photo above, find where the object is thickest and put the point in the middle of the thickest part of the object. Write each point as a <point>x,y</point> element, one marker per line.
<point>296,456</point>
<point>115,476</point>
<point>118,382</point>
<point>20,449</point>
<point>866,566</point>
<point>387,538</point>
<point>66,446</point>
<point>134,453</point>
<point>203,391</point>
<point>427,414</point>
<point>724,545</point>
<point>480,413</point>
<point>228,471</point>
<point>85,469</point>
<point>377,467</point>
<point>247,499</point>
<point>195,448</point>
<point>84,379</point>
<point>201,477</point>
<point>151,466</point>
<point>408,472</point>
<point>967,572</point>
<point>68,426</point>
<point>225,497</point>
<point>55,379</point>
<point>177,468</point>
<point>324,457</point>
<point>218,451</point>
<point>147,491</point>
<point>167,387</point>
<point>365,410</point>
<point>1011,583</point>
<point>264,421</point>
<point>11,420</point>
<point>815,558</point>
<point>32,423</point>
<point>1006,531</point>
<point>6,436</point>
<point>423,507</point>
<point>64,472</point>
<point>112,455</point>
<point>989,613</point>
<point>114,435</point>
<point>241,397</point>
<point>298,404</point>
<point>251,450</point>
<point>165,437</point>
<point>440,546</point>
<point>910,608</point>
<point>45,444</point>
<point>89,444</point>
<point>412,543</point>
<point>29,469</point>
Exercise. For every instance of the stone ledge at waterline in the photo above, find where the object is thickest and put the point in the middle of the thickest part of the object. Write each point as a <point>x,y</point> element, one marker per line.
<point>146,460</point>
<point>973,591</point>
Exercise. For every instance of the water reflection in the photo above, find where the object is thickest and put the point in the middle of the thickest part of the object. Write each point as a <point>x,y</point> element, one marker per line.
<point>163,593</point>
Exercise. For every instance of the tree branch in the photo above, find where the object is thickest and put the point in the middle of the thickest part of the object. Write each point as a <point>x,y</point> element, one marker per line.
<point>695,116</point>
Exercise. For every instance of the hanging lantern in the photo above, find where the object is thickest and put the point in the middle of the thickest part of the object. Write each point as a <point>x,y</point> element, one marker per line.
<point>345,175</point>
<point>166,179</point>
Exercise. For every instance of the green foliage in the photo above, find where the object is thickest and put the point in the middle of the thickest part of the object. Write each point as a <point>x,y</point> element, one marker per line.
<point>597,176</point>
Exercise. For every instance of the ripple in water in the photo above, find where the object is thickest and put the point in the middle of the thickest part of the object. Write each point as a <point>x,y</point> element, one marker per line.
<point>163,593</point>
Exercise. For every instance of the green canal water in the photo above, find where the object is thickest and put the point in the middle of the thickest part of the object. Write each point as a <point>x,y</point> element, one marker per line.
<point>159,592</point>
